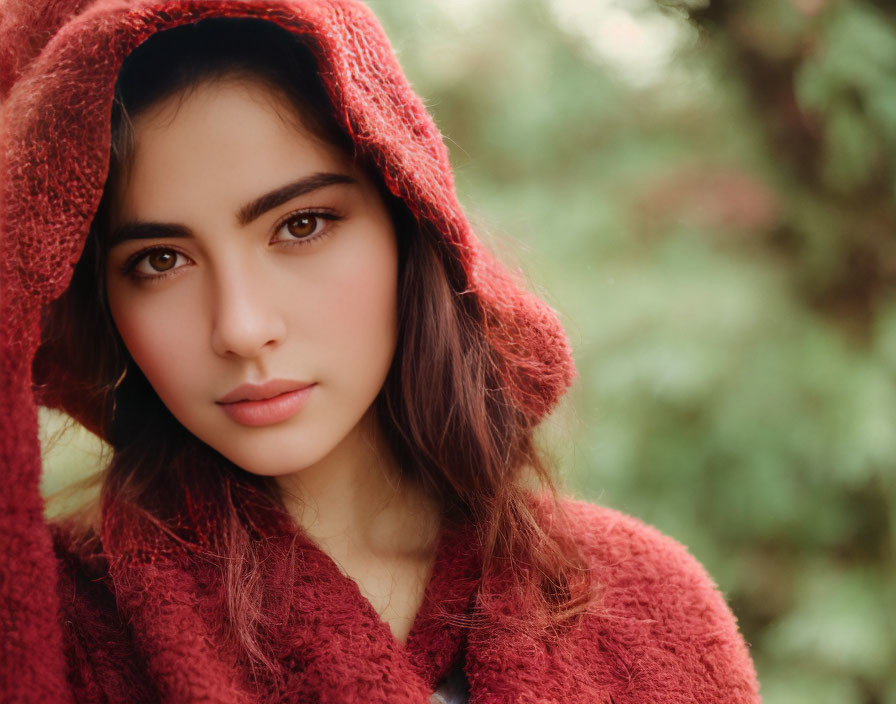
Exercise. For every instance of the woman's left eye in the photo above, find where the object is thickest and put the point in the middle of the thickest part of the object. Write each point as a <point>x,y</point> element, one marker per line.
<point>302,226</point>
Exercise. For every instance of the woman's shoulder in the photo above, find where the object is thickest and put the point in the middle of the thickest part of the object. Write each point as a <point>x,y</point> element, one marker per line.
<point>625,549</point>
<point>86,596</point>
<point>102,659</point>
<point>87,603</point>
<point>634,548</point>
<point>660,616</point>
<point>642,570</point>
<point>77,548</point>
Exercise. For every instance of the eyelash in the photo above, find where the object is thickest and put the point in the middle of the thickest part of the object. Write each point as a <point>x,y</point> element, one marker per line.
<point>128,268</point>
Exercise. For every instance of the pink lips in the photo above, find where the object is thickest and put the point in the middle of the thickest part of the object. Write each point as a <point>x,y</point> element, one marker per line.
<point>266,404</point>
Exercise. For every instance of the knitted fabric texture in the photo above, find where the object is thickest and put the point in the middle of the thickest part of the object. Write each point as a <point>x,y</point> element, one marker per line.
<point>153,632</point>
<point>81,624</point>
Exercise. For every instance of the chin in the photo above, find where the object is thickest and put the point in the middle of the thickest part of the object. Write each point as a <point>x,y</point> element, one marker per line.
<point>274,461</point>
<point>296,445</point>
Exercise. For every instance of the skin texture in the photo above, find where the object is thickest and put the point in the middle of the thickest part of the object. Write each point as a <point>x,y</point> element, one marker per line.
<point>313,300</point>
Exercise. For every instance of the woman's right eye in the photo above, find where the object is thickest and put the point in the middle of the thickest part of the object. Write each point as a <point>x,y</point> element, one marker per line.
<point>155,262</point>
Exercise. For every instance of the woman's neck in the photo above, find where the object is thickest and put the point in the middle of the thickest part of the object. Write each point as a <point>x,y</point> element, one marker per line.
<point>379,528</point>
<point>355,502</point>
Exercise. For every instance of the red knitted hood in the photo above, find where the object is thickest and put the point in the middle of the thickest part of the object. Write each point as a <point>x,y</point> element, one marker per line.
<point>59,60</point>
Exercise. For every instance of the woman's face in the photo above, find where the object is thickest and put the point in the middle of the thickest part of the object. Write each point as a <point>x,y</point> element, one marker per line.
<point>252,275</point>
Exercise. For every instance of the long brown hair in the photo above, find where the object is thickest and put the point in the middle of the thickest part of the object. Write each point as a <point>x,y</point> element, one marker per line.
<point>448,418</point>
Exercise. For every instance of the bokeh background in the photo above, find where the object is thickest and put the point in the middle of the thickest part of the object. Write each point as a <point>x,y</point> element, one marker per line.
<point>706,191</point>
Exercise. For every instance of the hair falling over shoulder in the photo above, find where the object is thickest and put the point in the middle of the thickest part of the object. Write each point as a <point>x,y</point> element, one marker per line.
<point>449,420</point>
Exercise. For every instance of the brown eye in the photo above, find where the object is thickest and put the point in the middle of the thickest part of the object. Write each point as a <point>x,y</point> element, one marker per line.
<point>302,226</point>
<point>305,227</point>
<point>162,260</point>
<point>154,263</point>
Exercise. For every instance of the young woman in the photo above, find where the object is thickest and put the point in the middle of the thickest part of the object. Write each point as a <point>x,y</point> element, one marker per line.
<point>231,247</point>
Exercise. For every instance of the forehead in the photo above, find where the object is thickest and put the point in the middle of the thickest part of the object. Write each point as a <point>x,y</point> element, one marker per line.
<point>227,138</point>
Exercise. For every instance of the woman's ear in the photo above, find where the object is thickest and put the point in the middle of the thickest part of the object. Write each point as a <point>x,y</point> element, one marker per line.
<point>26,26</point>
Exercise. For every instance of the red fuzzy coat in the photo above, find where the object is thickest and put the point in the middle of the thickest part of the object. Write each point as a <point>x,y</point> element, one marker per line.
<point>75,628</point>
<point>661,633</point>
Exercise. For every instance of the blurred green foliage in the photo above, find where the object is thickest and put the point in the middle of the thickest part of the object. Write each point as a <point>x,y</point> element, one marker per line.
<point>720,238</point>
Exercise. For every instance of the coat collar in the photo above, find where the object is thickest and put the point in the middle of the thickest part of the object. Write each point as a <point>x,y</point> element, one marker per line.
<point>333,645</point>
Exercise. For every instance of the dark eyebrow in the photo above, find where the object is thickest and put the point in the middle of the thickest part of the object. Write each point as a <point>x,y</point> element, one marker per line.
<point>269,201</point>
<point>245,215</point>
<point>146,231</point>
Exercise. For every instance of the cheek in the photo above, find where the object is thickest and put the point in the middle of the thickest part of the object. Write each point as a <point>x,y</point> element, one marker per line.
<point>360,309</point>
<point>159,337</point>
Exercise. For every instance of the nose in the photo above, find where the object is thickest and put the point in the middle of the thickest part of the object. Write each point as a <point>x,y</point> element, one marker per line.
<point>246,318</point>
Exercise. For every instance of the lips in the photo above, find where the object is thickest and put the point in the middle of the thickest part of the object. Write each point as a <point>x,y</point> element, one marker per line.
<point>273,402</point>
<point>262,392</point>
